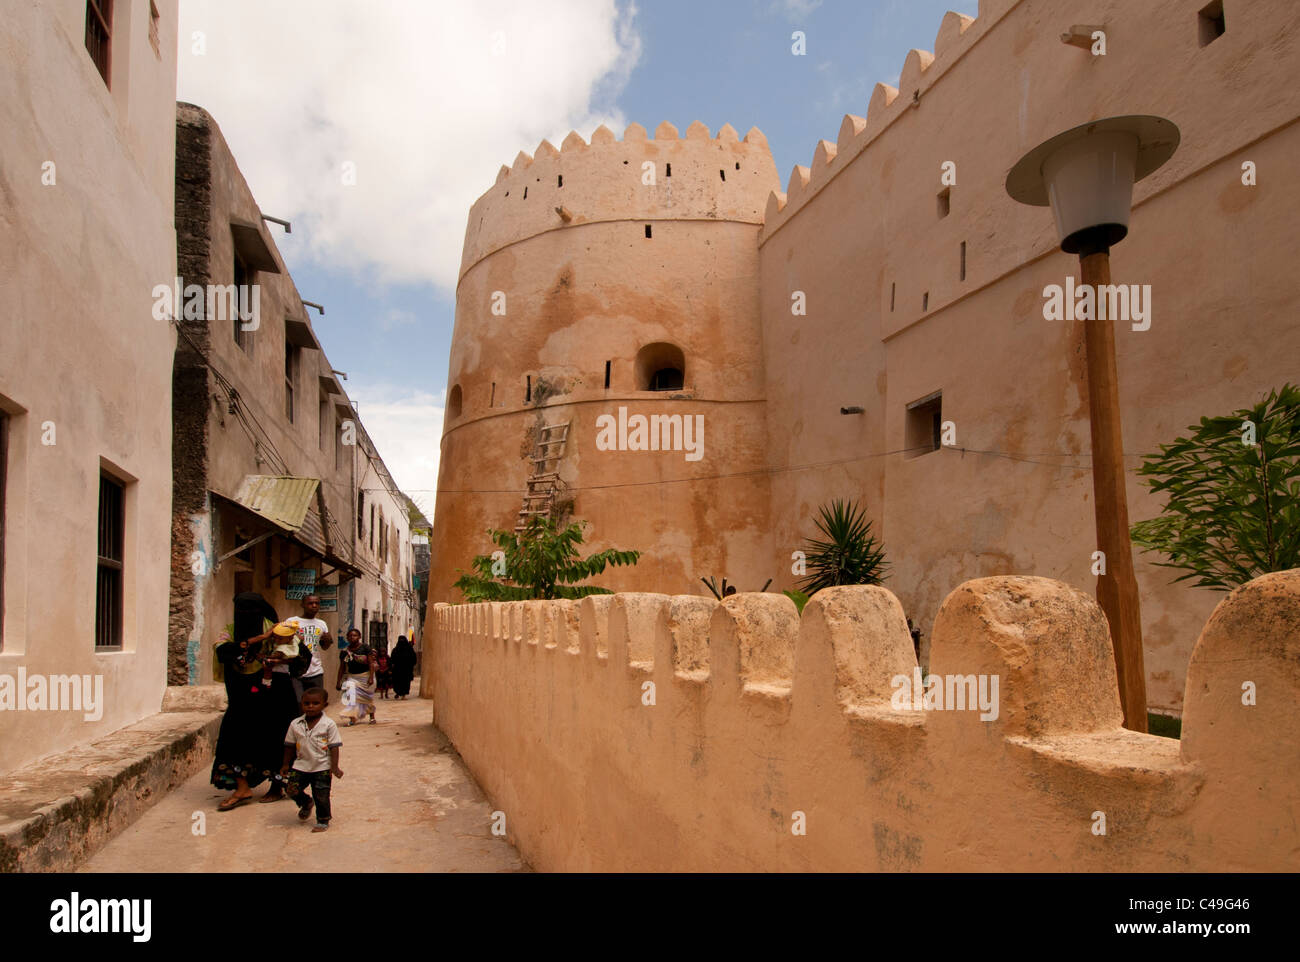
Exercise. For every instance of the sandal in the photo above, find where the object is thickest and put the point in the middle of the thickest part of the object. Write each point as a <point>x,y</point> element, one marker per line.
<point>228,806</point>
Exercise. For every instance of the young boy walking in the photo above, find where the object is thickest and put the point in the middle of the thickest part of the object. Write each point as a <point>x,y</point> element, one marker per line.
<point>312,744</point>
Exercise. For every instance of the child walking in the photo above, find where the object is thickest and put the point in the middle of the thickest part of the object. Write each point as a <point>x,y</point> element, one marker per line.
<point>312,744</point>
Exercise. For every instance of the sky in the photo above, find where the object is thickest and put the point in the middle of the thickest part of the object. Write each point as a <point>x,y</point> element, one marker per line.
<point>374,126</point>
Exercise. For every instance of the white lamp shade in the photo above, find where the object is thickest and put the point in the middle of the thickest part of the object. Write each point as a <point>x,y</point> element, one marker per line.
<point>1087,174</point>
<point>1090,183</point>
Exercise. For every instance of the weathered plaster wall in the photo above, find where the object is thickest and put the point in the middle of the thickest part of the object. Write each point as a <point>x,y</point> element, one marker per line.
<point>864,226</point>
<point>81,350</point>
<point>760,716</point>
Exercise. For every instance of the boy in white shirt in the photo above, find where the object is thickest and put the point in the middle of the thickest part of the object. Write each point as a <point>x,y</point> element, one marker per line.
<point>312,744</point>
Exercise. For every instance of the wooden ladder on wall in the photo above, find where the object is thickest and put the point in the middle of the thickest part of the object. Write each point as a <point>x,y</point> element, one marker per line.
<point>544,481</point>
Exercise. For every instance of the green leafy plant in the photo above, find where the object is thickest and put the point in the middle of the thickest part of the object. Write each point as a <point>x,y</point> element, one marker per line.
<point>849,555</point>
<point>1232,509</point>
<point>542,561</point>
<point>798,597</point>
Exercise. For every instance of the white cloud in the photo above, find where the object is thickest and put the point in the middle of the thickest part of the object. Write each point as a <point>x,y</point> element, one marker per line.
<point>426,99</point>
<point>796,9</point>
<point>406,427</point>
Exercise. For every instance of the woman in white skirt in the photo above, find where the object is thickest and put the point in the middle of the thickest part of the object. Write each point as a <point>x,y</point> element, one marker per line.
<point>357,669</point>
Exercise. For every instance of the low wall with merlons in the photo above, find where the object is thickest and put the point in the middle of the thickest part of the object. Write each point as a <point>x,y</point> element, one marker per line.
<point>774,742</point>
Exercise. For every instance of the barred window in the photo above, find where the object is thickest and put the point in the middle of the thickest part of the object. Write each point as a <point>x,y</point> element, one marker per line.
<point>108,586</point>
<point>99,36</point>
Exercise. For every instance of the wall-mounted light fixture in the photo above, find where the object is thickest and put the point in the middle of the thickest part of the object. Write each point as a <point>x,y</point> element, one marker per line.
<point>854,409</point>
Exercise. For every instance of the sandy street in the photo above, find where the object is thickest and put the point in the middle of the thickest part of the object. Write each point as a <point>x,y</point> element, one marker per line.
<point>405,804</point>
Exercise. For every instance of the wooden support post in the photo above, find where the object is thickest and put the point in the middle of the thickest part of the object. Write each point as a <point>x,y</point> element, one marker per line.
<point>1117,591</point>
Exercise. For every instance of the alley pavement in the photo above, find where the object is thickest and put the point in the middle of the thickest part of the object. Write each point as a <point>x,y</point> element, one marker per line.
<point>406,803</point>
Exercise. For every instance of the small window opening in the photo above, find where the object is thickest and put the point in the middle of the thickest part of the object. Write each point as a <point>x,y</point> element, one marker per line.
<point>625,163</point>
<point>963,260</point>
<point>722,174</point>
<point>525,193</point>
<point>153,30</point>
<point>108,584</point>
<point>924,426</point>
<point>945,201</point>
<point>559,180</point>
<point>454,402</point>
<point>99,36</point>
<point>892,286</point>
<point>607,363</point>
<point>668,170</point>
<point>738,165</point>
<point>660,367</point>
<point>647,231</point>
<point>1211,22</point>
<point>528,389</point>
<point>492,402</point>
<point>925,301</point>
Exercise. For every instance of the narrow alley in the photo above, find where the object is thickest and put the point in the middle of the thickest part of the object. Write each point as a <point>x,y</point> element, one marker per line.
<point>406,803</point>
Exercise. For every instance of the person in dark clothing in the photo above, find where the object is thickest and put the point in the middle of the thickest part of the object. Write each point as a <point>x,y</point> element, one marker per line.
<point>244,755</point>
<point>402,667</point>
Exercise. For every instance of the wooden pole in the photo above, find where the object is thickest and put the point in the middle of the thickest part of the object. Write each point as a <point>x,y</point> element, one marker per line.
<point>1117,591</point>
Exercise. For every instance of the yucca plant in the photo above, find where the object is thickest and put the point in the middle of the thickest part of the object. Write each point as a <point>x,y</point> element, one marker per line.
<point>542,561</point>
<point>1232,509</point>
<point>850,555</point>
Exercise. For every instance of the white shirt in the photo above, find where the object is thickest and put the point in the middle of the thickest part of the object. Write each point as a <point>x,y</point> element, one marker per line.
<point>313,743</point>
<point>310,630</point>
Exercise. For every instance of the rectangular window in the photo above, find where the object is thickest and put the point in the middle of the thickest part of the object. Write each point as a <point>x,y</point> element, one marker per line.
<point>1211,22</point>
<point>924,425</point>
<point>945,201</point>
<point>324,421</point>
<point>153,30</point>
<point>243,280</point>
<point>963,260</point>
<point>291,354</point>
<point>607,363</point>
<point>99,36</point>
<point>108,586</point>
<point>361,514</point>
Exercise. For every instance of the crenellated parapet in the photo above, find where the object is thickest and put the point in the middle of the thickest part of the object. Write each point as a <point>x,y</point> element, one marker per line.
<point>921,69</point>
<point>654,732</point>
<point>691,176</point>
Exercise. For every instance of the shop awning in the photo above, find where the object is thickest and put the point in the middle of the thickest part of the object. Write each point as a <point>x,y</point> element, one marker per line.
<point>292,508</point>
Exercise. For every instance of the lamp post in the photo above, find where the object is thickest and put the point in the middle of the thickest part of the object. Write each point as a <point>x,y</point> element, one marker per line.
<point>1086,175</point>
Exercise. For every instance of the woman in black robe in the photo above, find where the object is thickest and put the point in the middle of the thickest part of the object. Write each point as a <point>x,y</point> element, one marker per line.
<point>244,752</point>
<point>401,665</point>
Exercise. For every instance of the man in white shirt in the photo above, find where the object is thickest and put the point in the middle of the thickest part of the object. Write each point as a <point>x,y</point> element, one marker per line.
<point>315,634</point>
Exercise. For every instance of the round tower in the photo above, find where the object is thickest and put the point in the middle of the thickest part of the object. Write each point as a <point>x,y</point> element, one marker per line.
<point>606,363</point>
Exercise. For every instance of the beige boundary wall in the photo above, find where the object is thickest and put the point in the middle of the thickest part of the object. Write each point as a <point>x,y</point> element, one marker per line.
<point>760,716</point>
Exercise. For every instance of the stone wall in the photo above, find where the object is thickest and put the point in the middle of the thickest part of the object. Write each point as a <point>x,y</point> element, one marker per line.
<point>655,733</point>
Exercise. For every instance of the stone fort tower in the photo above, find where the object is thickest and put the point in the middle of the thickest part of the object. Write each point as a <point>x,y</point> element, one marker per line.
<point>604,276</point>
